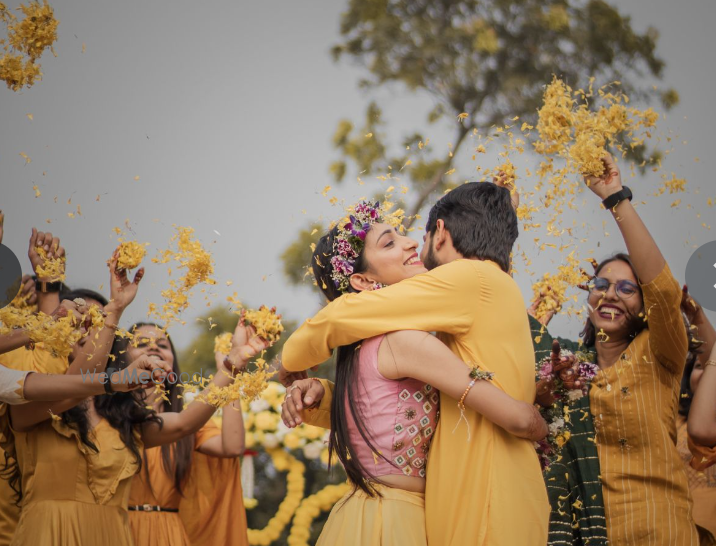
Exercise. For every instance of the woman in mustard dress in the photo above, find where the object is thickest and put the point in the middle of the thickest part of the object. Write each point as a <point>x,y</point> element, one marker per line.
<point>636,327</point>
<point>158,491</point>
<point>73,473</point>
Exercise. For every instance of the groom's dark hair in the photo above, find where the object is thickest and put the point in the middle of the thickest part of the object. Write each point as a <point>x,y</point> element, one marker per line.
<point>480,219</point>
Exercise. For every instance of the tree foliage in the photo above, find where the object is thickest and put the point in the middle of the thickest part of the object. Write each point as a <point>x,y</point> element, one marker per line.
<point>488,59</point>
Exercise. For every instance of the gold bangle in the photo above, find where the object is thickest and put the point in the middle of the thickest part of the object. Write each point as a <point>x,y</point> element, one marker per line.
<point>710,363</point>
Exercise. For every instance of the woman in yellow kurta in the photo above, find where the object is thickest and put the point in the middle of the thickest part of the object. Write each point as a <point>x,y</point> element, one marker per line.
<point>158,490</point>
<point>637,329</point>
<point>484,485</point>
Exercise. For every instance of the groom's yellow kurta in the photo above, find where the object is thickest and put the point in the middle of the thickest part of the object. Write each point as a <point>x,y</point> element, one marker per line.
<point>484,486</point>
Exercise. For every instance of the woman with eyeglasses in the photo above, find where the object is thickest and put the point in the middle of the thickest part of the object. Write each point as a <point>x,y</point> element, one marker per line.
<point>636,330</point>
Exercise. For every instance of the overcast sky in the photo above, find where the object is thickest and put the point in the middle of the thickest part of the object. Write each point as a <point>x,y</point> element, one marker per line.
<point>225,112</point>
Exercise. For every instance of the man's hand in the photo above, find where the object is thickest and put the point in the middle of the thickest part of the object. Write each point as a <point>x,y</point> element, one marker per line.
<point>288,378</point>
<point>532,310</point>
<point>501,180</point>
<point>302,394</point>
<point>610,182</point>
<point>567,367</point>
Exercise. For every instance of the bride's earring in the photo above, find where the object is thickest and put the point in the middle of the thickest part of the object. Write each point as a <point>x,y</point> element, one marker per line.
<point>376,286</point>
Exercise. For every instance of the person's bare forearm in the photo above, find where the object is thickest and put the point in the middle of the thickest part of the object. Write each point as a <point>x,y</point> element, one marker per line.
<point>47,302</point>
<point>702,414</point>
<point>180,424</point>
<point>15,339</point>
<point>230,444</point>
<point>643,250</point>
<point>232,429</point>
<point>94,355</point>
<point>421,356</point>
<point>705,332</point>
<point>55,387</point>
<point>26,416</point>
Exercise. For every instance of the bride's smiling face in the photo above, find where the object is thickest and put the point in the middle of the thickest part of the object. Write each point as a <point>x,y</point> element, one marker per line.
<point>391,257</point>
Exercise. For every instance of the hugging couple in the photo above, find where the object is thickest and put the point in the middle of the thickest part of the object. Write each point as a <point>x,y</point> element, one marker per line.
<point>482,482</point>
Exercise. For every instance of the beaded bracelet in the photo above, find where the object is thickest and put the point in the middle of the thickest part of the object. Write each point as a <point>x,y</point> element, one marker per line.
<point>461,403</point>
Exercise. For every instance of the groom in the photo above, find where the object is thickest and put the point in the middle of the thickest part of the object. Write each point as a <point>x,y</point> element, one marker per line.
<point>484,486</point>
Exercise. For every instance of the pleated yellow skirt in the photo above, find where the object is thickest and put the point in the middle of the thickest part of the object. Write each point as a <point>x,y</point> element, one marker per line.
<point>153,528</point>
<point>68,522</point>
<point>396,518</point>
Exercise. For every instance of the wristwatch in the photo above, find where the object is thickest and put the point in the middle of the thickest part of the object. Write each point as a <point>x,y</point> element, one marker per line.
<point>47,287</point>
<point>108,384</point>
<point>617,197</point>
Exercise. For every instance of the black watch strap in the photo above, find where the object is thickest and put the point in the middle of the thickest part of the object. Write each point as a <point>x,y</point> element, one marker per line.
<point>617,197</point>
<point>46,286</point>
<point>108,384</point>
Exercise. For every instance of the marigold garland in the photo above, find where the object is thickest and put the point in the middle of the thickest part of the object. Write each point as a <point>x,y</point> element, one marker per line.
<point>311,507</point>
<point>295,483</point>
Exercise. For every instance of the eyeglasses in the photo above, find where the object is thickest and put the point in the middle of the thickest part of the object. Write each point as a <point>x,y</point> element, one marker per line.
<point>624,289</point>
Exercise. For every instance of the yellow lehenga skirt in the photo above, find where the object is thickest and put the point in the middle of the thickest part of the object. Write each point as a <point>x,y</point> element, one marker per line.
<point>395,518</point>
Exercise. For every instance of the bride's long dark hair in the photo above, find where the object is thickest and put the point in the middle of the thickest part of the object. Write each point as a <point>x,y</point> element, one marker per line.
<point>344,394</point>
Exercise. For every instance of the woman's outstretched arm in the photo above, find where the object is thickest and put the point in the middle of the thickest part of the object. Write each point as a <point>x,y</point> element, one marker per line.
<point>420,355</point>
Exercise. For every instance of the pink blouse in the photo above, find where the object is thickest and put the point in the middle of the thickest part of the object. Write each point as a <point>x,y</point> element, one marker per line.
<point>399,417</point>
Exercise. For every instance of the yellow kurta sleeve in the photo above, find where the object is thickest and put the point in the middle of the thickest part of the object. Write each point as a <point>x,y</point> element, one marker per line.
<point>444,299</point>
<point>704,456</point>
<point>38,360</point>
<point>667,334</point>
<point>320,416</point>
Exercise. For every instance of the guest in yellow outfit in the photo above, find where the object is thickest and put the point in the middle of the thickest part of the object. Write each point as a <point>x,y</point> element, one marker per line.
<point>636,326</point>
<point>158,491</point>
<point>480,478</point>
<point>43,294</point>
<point>73,473</point>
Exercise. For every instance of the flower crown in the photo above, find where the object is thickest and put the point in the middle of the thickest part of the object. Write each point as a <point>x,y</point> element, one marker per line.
<point>350,241</point>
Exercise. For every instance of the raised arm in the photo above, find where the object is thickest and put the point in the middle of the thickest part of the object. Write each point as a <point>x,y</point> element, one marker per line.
<point>95,353</point>
<point>46,300</point>
<point>230,444</point>
<point>702,415</point>
<point>643,250</point>
<point>443,299</point>
<point>245,345</point>
<point>421,356</point>
<point>662,293</point>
